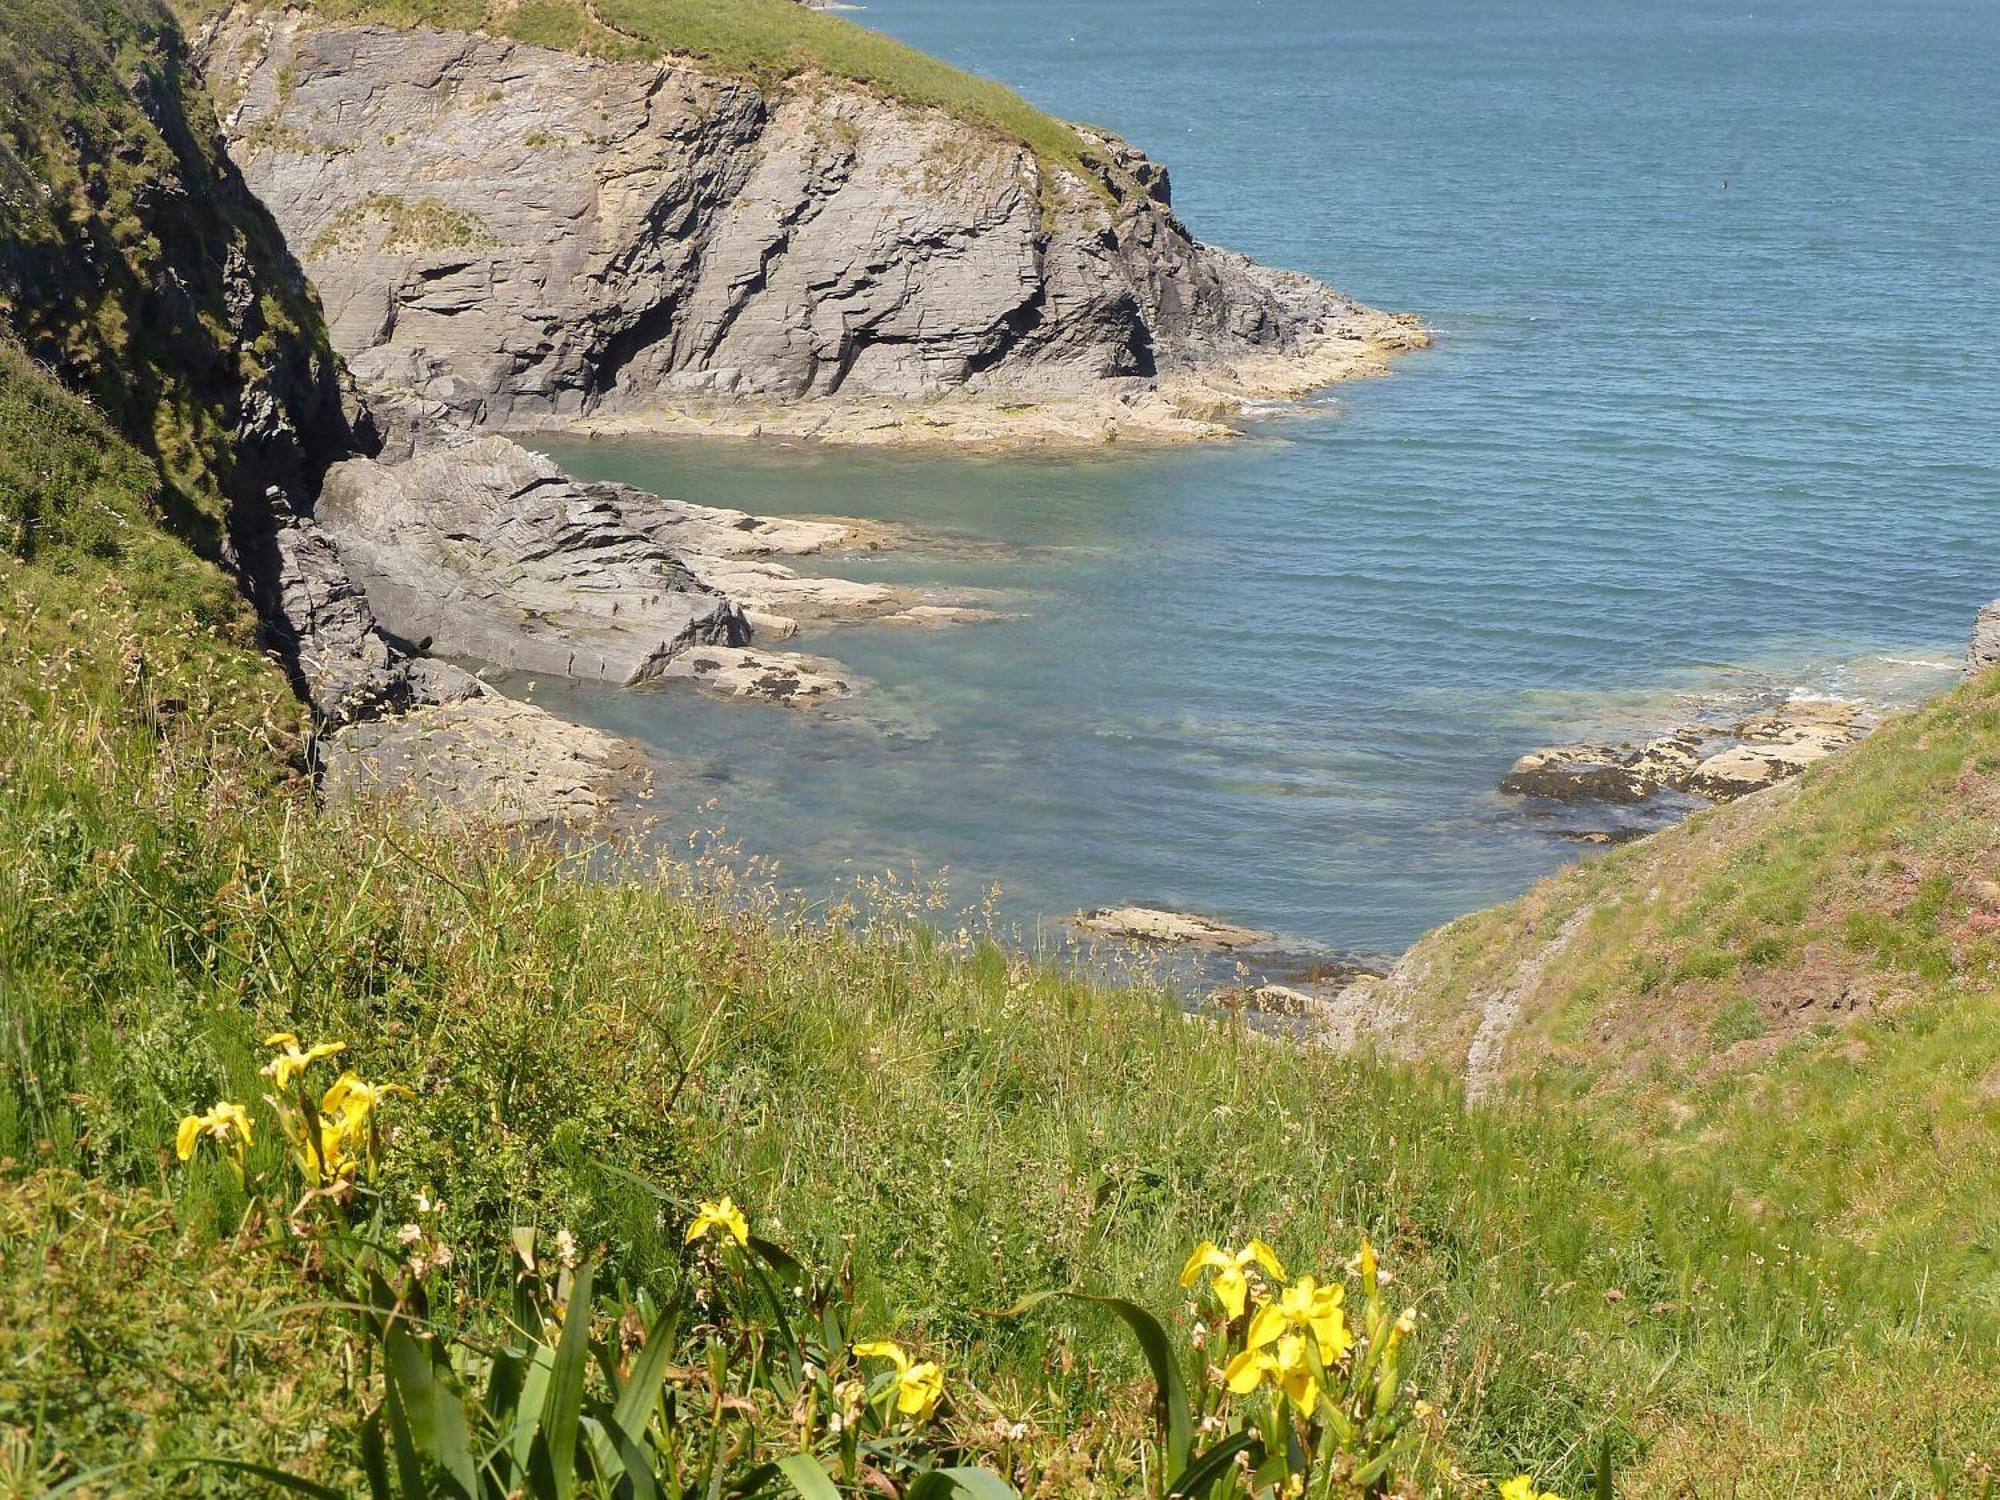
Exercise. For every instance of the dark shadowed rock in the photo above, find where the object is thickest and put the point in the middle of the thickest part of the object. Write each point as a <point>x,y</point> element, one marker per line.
<point>1753,753</point>
<point>1627,773</point>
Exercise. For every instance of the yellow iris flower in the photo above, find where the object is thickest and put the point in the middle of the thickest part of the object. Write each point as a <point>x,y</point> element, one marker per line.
<point>344,1138</point>
<point>918,1385</point>
<point>725,1216</point>
<point>1309,1306</point>
<point>351,1101</point>
<point>1228,1270</point>
<point>226,1124</point>
<point>1281,1359</point>
<point>292,1060</point>
<point>335,1157</point>
<point>1521,1487</point>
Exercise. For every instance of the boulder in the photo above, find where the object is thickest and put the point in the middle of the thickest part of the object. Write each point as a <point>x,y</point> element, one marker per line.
<point>1804,720</point>
<point>487,757</point>
<point>1744,769</point>
<point>1604,773</point>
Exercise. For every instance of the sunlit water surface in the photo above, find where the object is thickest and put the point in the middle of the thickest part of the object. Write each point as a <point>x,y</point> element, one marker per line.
<point>1678,442</point>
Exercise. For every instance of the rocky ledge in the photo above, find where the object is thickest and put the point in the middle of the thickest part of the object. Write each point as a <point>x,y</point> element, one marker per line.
<point>1713,762</point>
<point>478,549</point>
<point>511,236</point>
<point>489,758</point>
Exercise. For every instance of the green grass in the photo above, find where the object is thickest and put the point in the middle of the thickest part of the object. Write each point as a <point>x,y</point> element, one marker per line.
<point>966,1126</point>
<point>1759,1262</point>
<point>771,41</point>
<point>1801,990</point>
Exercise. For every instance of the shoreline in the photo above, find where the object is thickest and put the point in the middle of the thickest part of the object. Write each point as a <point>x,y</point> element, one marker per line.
<point>1193,407</point>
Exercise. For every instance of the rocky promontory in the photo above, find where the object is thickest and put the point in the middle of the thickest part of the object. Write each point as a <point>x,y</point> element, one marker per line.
<point>514,236</point>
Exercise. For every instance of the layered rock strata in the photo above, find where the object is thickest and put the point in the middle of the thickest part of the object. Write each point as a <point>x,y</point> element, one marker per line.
<point>509,235</point>
<point>482,550</point>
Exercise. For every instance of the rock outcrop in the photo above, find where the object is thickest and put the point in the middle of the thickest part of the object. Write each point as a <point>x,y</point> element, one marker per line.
<point>488,757</point>
<point>509,235</point>
<point>486,551</point>
<point>1982,652</point>
<point>477,548</point>
<point>1152,924</point>
<point>1754,753</point>
<point>1605,773</point>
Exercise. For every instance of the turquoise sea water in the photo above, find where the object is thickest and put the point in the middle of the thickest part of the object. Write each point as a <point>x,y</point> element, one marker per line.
<point>1676,438</point>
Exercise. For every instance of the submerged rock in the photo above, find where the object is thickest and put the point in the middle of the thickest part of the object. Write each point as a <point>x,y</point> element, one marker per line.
<point>784,677</point>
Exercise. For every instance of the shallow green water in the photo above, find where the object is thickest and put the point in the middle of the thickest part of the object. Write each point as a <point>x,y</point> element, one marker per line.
<point>1674,439</point>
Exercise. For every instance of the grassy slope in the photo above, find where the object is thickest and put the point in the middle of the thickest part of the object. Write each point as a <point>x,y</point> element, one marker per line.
<point>969,1127</point>
<point>769,40</point>
<point>1806,984</point>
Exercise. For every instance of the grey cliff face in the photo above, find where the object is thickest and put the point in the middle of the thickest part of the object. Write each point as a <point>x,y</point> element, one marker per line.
<point>507,234</point>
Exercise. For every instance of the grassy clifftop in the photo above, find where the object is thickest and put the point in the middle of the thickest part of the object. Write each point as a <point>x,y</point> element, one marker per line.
<point>769,40</point>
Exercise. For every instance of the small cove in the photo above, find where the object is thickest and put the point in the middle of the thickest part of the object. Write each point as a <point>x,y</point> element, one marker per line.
<point>1677,444</point>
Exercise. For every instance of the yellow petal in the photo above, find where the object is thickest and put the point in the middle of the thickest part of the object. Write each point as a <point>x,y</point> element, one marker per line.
<point>883,1349</point>
<point>1330,1331</point>
<point>918,1389</point>
<point>1520,1487</point>
<point>1231,1289</point>
<point>728,1216</point>
<point>1242,1373</point>
<point>1205,1254</point>
<point>1303,1388</point>
<point>1265,1256</point>
<point>1266,1326</point>
<point>281,1039</point>
<point>186,1136</point>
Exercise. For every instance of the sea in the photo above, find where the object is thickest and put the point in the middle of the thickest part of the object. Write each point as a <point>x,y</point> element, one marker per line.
<point>1712,418</point>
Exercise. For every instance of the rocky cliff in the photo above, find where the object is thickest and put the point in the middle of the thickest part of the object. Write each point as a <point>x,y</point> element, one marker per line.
<point>509,234</point>
<point>138,268</point>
